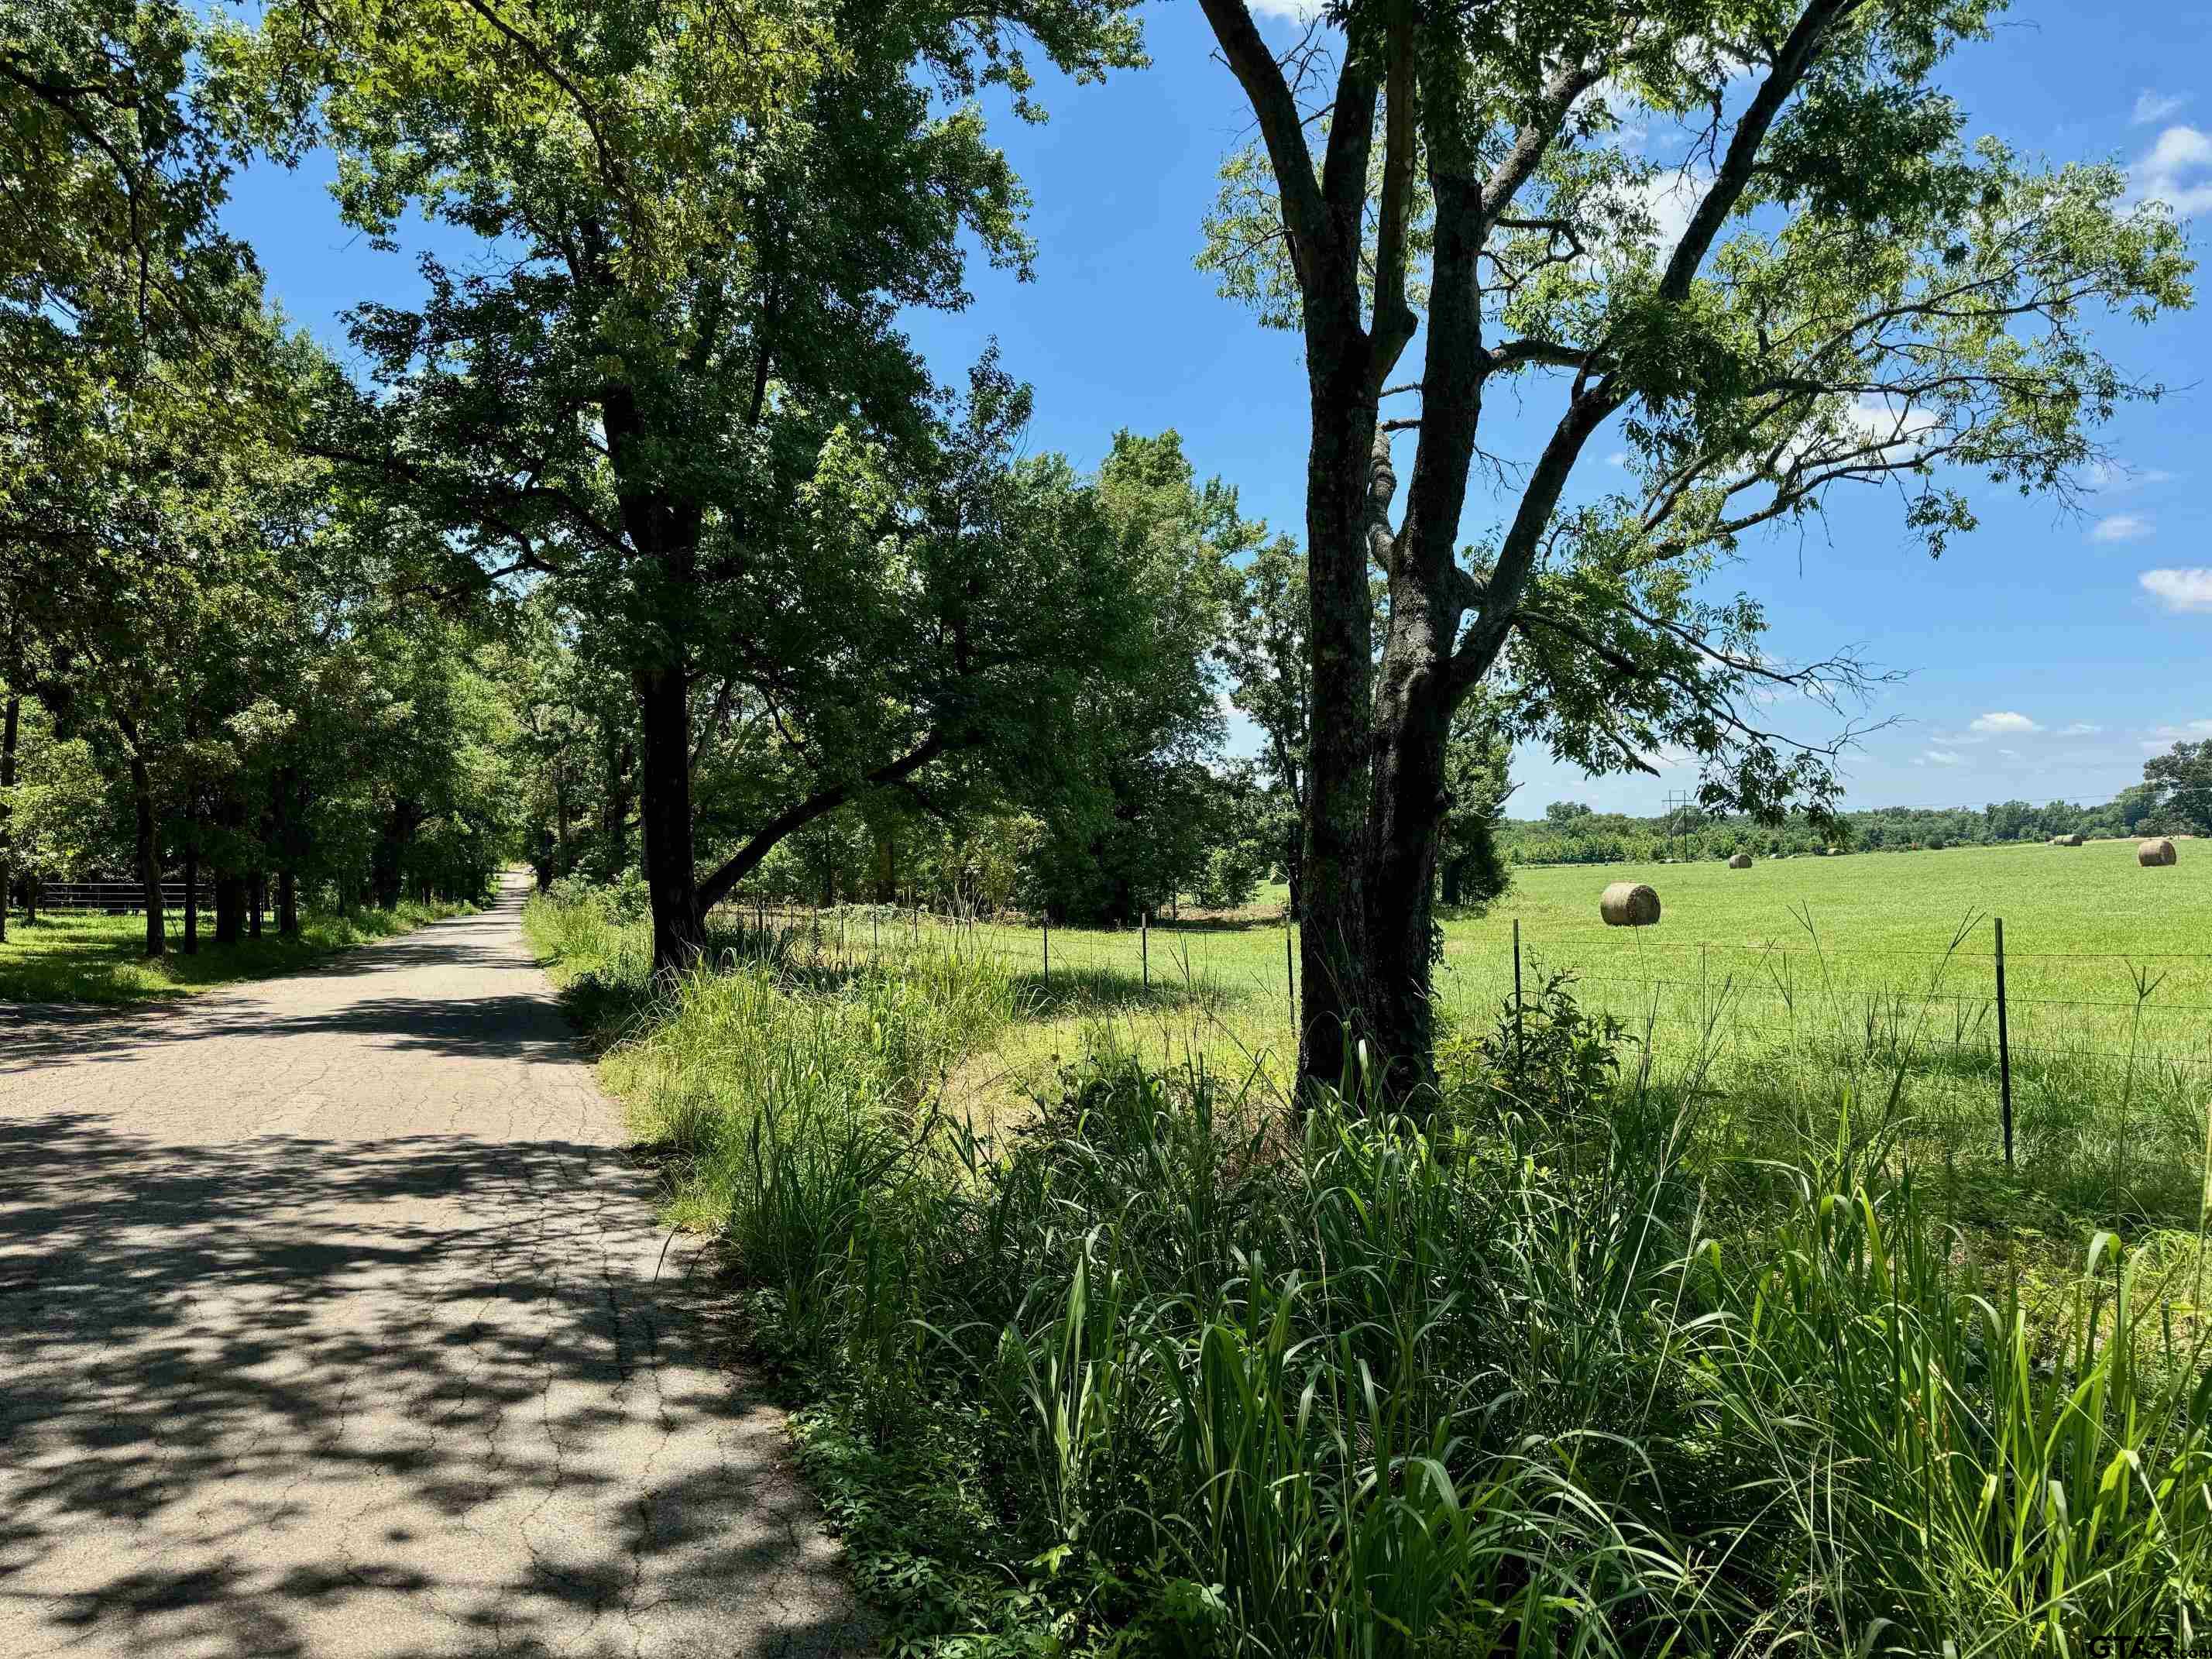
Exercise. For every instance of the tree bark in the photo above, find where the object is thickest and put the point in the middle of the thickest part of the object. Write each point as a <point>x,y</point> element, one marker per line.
<point>664,707</point>
<point>388,864</point>
<point>1333,942</point>
<point>150,855</point>
<point>10,723</point>
<point>230,904</point>
<point>285,809</point>
<point>230,881</point>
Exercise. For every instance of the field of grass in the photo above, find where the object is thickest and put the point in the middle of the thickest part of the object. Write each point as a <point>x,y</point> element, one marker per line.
<point>1644,1341</point>
<point>77,957</point>
<point>1877,967</point>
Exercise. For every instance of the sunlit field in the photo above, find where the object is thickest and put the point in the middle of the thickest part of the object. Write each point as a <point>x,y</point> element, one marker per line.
<point>1885,961</point>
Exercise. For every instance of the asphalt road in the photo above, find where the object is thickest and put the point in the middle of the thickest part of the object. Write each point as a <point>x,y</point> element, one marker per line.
<point>329,1326</point>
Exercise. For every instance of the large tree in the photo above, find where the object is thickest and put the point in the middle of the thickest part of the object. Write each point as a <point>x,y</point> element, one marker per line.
<point>704,218</point>
<point>1837,288</point>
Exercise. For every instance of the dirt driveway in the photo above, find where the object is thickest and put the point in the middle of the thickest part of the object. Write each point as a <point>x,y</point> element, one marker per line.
<point>329,1326</point>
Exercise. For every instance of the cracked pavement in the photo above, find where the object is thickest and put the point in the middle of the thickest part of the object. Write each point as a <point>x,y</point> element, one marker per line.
<point>329,1326</point>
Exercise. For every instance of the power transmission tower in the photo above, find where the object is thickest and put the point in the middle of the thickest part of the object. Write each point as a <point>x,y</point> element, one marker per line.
<point>1678,802</point>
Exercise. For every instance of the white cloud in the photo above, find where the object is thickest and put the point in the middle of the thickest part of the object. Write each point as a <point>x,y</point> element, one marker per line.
<point>1618,457</point>
<point>2184,591</point>
<point>2080,729</point>
<point>1878,415</point>
<point>1289,11</point>
<point>2176,733</point>
<point>2120,527</point>
<point>1941,757</point>
<point>2154,106</point>
<point>1667,198</point>
<point>2003,719</point>
<point>2009,754</point>
<point>2177,170</point>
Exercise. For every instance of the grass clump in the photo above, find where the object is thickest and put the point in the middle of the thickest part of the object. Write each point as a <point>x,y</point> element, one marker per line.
<point>1581,1363</point>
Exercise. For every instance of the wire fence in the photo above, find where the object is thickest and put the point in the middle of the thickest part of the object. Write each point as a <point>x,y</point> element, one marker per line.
<point>1984,1013</point>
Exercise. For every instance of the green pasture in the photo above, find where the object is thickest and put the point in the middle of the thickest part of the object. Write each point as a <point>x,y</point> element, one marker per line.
<point>1771,983</point>
<point>2101,953</point>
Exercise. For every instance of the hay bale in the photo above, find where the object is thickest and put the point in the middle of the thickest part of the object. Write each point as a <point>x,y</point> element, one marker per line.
<point>2156,852</point>
<point>1629,904</point>
<point>1741,862</point>
<point>2070,841</point>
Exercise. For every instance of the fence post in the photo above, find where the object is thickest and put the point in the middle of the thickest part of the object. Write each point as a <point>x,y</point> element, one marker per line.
<point>1290,985</point>
<point>1520,1048</point>
<point>2004,1049</point>
<point>1144,944</point>
<point>1048,946</point>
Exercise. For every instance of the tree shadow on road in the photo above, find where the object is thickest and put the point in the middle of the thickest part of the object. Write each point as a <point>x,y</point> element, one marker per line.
<point>425,1387</point>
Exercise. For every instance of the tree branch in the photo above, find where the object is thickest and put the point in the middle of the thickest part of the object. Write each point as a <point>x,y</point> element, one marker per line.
<point>716,887</point>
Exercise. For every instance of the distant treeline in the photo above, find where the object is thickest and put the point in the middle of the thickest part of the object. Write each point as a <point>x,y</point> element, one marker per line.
<point>1570,833</point>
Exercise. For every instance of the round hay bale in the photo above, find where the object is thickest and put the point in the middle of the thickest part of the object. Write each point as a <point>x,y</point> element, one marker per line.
<point>2070,841</point>
<point>1741,862</point>
<point>2156,852</point>
<point>1629,904</point>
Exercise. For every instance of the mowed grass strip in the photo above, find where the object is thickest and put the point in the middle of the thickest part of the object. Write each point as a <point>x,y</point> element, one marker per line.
<point>77,957</point>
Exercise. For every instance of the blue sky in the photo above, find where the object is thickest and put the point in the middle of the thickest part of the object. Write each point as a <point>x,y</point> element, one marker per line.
<point>2044,655</point>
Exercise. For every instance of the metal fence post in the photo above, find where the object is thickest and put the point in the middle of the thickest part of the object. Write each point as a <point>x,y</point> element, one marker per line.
<point>2004,1049</point>
<point>1048,946</point>
<point>1144,944</point>
<point>1290,985</point>
<point>1520,1046</point>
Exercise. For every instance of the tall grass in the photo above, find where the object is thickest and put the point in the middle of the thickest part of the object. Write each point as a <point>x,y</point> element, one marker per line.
<point>1568,1367</point>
